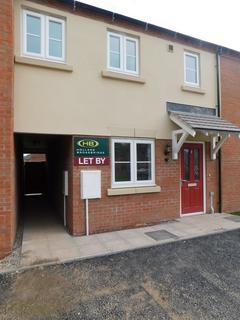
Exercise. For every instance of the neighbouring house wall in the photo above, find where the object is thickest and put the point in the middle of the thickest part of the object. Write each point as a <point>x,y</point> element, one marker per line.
<point>230,96</point>
<point>84,102</point>
<point>7,181</point>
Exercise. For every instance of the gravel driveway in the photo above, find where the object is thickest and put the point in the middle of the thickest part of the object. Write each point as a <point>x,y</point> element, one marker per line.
<point>192,279</point>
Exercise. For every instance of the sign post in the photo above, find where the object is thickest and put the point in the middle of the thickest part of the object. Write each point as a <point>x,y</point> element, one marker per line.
<point>90,189</point>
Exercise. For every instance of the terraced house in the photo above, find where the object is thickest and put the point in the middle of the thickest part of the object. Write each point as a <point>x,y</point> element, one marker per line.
<point>130,123</point>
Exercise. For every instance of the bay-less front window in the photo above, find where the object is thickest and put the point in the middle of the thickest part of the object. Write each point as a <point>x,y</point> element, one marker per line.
<point>132,162</point>
<point>122,53</point>
<point>43,36</point>
<point>191,66</point>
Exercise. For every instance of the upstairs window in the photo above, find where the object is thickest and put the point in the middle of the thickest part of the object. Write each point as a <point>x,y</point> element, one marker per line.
<point>191,69</point>
<point>43,36</point>
<point>133,162</point>
<point>123,53</point>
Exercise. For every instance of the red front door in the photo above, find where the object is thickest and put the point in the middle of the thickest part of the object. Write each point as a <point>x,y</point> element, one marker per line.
<point>192,177</point>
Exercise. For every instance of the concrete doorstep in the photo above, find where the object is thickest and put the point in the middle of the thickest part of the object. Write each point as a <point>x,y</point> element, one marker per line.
<point>50,245</point>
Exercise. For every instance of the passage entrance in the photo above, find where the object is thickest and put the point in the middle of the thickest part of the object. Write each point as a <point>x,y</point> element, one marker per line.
<point>192,178</point>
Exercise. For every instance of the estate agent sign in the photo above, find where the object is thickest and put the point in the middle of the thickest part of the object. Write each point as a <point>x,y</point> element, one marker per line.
<point>91,151</point>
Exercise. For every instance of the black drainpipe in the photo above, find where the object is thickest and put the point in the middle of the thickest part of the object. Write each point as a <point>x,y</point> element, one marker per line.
<point>218,54</point>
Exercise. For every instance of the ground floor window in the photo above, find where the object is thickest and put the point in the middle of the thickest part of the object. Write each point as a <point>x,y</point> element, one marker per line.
<point>132,162</point>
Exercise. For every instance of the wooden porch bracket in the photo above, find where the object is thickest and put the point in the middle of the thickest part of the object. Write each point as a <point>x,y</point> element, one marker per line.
<point>177,143</point>
<point>216,144</point>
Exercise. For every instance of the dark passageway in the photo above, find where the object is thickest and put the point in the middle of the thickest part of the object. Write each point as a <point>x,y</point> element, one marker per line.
<point>40,163</point>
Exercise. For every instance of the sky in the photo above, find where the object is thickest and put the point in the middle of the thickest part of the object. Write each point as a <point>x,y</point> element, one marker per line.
<point>216,21</point>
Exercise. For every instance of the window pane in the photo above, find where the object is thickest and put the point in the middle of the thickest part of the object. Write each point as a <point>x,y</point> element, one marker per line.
<point>131,48</point>
<point>191,62</point>
<point>196,164</point>
<point>143,152</point>
<point>115,44</point>
<point>191,69</point>
<point>34,25</point>
<point>33,44</point>
<point>131,63</point>
<point>186,159</point>
<point>131,55</point>
<point>191,76</point>
<point>55,48</point>
<point>122,151</point>
<point>122,172</point>
<point>55,30</point>
<point>115,60</point>
<point>144,171</point>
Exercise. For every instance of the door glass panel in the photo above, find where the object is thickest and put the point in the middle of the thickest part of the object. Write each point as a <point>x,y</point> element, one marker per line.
<point>196,164</point>
<point>186,161</point>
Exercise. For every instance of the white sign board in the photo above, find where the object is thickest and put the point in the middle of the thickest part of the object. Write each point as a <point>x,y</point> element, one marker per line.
<point>90,184</point>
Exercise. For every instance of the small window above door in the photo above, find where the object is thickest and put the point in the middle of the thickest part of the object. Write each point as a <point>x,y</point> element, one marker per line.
<point>191,69</point>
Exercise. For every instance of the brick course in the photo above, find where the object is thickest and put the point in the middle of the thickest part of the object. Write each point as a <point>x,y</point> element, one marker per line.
<point>7,200</point>
<point>230,98</point>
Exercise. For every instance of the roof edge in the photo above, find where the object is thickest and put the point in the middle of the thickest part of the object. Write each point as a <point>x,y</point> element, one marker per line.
<point>153,27</point>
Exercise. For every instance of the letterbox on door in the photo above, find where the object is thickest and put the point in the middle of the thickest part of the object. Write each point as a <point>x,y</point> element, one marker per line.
<point>90,184</point>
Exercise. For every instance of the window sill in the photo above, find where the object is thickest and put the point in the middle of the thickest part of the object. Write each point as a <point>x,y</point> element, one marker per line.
<point>43,64</point>
<point>122,76</point>
<point>134,190</point>
<point>193,89</point>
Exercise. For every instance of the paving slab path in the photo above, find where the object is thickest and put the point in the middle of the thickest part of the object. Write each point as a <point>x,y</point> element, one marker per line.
<point>46,241</point>
<point>195,279</point>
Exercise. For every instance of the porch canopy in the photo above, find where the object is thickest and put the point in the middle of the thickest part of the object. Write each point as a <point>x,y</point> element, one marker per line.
<point>202,121</point>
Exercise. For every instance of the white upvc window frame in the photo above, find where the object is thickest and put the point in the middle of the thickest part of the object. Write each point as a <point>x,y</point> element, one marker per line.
<point>62,22</point>
<point>123,53</point>
<point>196,56</point>
<point>44,55</point>
<point>133,163</point>
<point>40,16</point>
<point>136,41</point>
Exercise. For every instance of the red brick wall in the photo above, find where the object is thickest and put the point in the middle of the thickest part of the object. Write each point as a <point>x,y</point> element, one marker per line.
<point>126,211</point>
<point>118,212</point>
<point>7,203</point>
<point>230,95</point>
